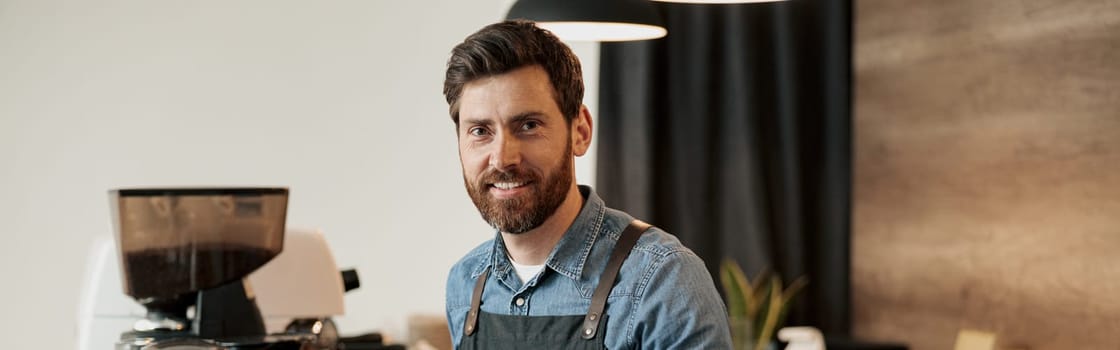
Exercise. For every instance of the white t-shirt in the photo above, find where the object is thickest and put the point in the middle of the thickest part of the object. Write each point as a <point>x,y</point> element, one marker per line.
<point>526,272</point>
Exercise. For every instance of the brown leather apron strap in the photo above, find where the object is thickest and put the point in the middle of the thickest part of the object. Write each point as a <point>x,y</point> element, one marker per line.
<point>606,279</point>
<point>476,301</point>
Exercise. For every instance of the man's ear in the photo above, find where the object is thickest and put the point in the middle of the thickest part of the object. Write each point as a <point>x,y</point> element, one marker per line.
<point>581,132</point>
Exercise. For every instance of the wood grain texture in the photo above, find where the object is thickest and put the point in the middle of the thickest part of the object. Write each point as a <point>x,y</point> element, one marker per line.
<point>987,180</point>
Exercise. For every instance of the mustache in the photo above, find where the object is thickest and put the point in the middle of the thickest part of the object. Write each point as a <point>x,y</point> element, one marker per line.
<point>510,175</point>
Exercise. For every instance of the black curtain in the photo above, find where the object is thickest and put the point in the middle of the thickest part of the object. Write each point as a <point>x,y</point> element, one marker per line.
<point>734,133</point>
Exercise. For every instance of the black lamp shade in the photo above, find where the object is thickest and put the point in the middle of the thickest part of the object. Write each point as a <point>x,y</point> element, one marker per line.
<point>593,20</point>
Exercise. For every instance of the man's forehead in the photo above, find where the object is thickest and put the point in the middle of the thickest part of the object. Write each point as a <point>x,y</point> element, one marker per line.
<point>521,81</point>
<point>518,93</point>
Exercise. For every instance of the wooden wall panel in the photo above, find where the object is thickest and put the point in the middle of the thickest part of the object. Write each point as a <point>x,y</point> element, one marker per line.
<point>987,172</point>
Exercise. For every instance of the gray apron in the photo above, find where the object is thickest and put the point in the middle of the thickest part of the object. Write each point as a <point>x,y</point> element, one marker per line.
<point>488,331</point>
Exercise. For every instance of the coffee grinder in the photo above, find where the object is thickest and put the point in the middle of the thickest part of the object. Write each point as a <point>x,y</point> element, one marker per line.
<point>184,256</point>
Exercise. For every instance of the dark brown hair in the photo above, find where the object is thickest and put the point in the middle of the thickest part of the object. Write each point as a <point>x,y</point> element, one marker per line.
<point>502,47</point>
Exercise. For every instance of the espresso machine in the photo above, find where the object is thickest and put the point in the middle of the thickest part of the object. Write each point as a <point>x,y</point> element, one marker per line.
<point>188,257</point>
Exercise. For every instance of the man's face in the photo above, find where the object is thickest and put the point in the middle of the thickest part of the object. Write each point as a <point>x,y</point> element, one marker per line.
<point>515,147</point>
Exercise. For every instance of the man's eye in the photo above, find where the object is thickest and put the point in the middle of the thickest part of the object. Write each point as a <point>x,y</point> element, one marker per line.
<point>530,125</point>
<point>477,131</point>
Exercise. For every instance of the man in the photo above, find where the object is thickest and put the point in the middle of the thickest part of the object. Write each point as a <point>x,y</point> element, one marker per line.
<point>515,94</point>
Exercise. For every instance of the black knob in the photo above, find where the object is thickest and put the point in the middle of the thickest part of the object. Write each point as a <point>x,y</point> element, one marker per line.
<point>350,280</point>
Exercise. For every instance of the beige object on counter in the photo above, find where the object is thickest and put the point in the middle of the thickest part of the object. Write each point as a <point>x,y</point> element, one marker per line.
<point>975,340</point>
<point>428,331</point>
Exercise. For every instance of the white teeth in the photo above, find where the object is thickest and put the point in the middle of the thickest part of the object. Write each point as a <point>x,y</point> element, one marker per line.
<point>507,185</point>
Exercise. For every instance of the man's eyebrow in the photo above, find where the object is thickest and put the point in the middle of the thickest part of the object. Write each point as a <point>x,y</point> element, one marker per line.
<point>478,121</point>
<point>517,118</point>
<point>523,116</point>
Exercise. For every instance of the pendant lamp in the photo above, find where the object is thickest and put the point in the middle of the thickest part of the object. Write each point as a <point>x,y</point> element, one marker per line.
<point>593,20</point>
<point>717,1</point>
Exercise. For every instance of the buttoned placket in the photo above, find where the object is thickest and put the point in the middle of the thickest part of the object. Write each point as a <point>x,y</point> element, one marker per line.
<point>519,304</point>
<point>519,298</point>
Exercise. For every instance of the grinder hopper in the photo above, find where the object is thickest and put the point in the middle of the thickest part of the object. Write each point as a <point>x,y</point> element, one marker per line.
<point>174,243</point>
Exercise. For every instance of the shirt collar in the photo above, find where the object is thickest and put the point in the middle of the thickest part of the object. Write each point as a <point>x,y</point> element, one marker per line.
<point>571,252</point>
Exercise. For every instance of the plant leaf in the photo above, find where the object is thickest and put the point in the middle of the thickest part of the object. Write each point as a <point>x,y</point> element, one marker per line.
<point>759,292</point>
<point>788,295</point>
<point>735,286</point>
<point>793,288</point>
<point>773,311</point>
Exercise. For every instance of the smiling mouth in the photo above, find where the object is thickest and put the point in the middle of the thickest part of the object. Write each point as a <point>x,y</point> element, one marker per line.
<point>507,185</point>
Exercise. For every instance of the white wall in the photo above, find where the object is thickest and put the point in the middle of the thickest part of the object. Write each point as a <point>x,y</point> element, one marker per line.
<point>341,101</point>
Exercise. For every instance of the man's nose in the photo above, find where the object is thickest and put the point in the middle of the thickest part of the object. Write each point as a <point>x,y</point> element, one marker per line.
<point>507,152</point>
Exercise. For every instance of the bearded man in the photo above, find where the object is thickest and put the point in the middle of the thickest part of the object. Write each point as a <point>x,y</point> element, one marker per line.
<point>563,270</point>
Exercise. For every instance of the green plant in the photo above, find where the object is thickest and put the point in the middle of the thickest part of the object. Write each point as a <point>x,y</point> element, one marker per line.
<point>757,309</point>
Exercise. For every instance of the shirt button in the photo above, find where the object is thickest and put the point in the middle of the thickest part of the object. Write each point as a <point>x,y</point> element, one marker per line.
<point>520,301</point>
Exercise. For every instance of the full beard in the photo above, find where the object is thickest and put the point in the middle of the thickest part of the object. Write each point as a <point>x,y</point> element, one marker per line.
<point>526,212</point>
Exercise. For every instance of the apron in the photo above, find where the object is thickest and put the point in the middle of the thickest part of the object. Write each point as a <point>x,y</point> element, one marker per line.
<point>488,331</point>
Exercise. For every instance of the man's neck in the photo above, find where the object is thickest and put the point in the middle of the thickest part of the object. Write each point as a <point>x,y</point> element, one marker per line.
<point>533,247</point>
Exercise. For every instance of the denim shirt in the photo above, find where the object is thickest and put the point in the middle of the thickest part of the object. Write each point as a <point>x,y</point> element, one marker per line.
<point>664,297</point>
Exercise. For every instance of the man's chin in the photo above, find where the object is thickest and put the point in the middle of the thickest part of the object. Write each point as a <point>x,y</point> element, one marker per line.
<point>507,223</point>
<point>511,228</point>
